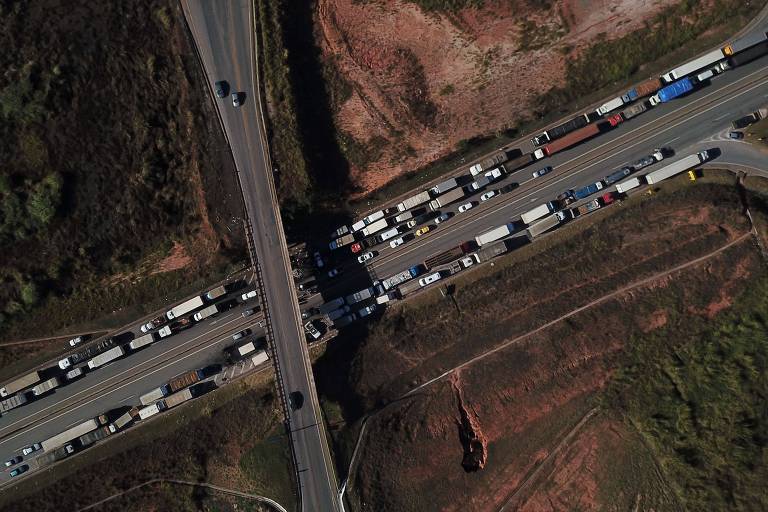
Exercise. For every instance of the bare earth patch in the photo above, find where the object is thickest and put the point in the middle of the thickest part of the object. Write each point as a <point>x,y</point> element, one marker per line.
<point>426,81</point>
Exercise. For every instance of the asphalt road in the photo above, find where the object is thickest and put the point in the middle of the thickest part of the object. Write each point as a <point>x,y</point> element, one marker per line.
<point>223,32</point>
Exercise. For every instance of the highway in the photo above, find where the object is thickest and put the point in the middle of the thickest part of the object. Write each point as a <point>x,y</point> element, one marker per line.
<point>223,33</point>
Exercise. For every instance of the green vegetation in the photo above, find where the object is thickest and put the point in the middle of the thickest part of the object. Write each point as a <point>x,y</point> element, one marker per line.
<point>229,437</point>
<point>696,391</point>
<point>758,132</point>
<point>106,145</point>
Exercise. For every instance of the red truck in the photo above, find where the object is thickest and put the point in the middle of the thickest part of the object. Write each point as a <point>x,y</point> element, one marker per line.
<point>569,140</point>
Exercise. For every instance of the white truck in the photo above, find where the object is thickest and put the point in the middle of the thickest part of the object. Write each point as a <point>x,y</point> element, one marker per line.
<point>148,412</point>
<point>20,383</point>
<point>46,386</point>
<point>353,298</point>
<point>107,357</point>
<point>259,358</point>
<point>185,307</point>
<point>244,350</point>
<point>370,219</point>
<point>178,398</point>
<point>704,61</point>
<point>495,234</point>
<point>413,201</point>
<point>545,225</point>
<point>444,186</point>
<point>375,227</point>
<point>624,186</point>
<point>152,396</point>
<point>537,213</point>
<point>609,106</point>
<point>69,435</point>
<point>216,292</point>
<point>443,200</point>
<point>390,233</point>
<point>206,312</point>
<point>404,217</point>
<point>142,341</point>
<point>676,167</point>
<point>124,420</point>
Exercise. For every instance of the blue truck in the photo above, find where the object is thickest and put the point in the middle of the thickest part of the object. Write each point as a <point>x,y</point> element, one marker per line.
<point>672,91</point>
<point>401,277</point>
<point>581,193</point>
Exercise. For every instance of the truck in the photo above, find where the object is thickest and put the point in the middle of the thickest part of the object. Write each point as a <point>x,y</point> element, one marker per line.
<point>124,420</point>
<point>404,216</point>
<point>588,208</point>
<point>581,193</point>
<point>260,357</point>
<point>185,307</point>
<point>94,436</point>
<point>21,383</point>
<point>338,313</point>
<point>624,186</point>
<point>216,292</point>
<point>69,434</point>
<point>341,241</point>
<point>745,42</point>
<point>243,350</point>
<point>331,305</point>
<point>148,412</point>
<point>444,200</point>
<point>495,234</point>
<point>386,235</point>
<point>490,251</point>
<point>178,398</point>
<point>152,396</point>
<point>444,257</point>
<point>357,226</point>
<point>537,213</point>
<point>609,106</point>
<point>562,130</point>
<point>46,386</point>
<point>494,160</point>
<point>364,294</point>
<point>518,163</point>
<point>182,381</point>
<point>481,182</point>
<point>414,201</point>
<point>107,357</point>
<point>642,89</point>
<point>634,110</point>
<point>400,277</point>
<point>617,175</point>
<point>206,312</point>
<point>59,453</point>
<point>444,186</point>
<point>569,140</point>
<point>704,61</point>
<point>74,373</point>
<point>672,91</point>
<point>747,120</point>
<point>544,225</point>
<point>676,167</point>
<point>13,402</point>
<point>375,227</point>
<point>142,341</point>
<point>370,219</point>
<point>408,287</point>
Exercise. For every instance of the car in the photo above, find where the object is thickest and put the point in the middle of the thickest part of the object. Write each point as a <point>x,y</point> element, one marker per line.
<point>74,341</point>
<point>431,278</point>
<point>19,470</point>
<point>467,206</point>
<point>366,311</point>
<point>735,135</point>
<point>296,400</point>
<point>443,217</point>
<point>65,363</point>
<point>643,162</point>
<point>318,259</point>
<point>508,188</point>
<point>311,330</point>
<point>333,272</point>
<point>422,231</point>
<point>494,174</point>
<point>221,89</point>
<point>31,448</point>
<point>249,295</point>
<point>542,171</point>
<point>616,119</point>
<point>235,99</point>
<point>12,462</point>
<point>410,224</point>
<point>356,247</point>
<point>365,257</point>
<point>396,242</point>
<point>242,334</point>
<point>248,312</point>
<point>145,328</point>
<point>488,195</point>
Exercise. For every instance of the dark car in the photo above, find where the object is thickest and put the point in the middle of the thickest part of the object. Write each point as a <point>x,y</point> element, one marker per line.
<point>508,188</point>
<point>221,89</point>
<point>735,135</point>
<point>19,470</point>
<point>13,461</point>
<point>296,399</point>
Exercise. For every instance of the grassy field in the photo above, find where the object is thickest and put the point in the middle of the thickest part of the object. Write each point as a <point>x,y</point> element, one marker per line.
<point>231,437</point>
<point>675,35</point>
<point>113,167</point>
<point>516,393</point>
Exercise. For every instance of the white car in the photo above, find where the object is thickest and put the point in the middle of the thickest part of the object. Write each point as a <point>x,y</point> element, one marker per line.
<point>488,195</point>
<point>494,174</point>
<point>75,341</point>
<point>365,257</point>
<point>31,449</point>
<point>235,99</point>
<point>396,242</point>
<point>311,330</point>
<point>411,224</point>
<point>249,295</point>
<point>65,363</point>
<point>463,208</point>
<point>442,218</point>
<point>431,278</point>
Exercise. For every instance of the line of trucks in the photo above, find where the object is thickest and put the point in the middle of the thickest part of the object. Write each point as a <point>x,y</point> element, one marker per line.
<point>669,86</point>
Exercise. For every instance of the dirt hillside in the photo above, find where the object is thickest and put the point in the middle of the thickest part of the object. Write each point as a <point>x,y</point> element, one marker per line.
<point>422,82</point>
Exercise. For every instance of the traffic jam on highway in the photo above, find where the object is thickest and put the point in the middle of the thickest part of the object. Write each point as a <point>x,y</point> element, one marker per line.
<point>100,353</point>
<point>390,228</point>
<point>426,211</point>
